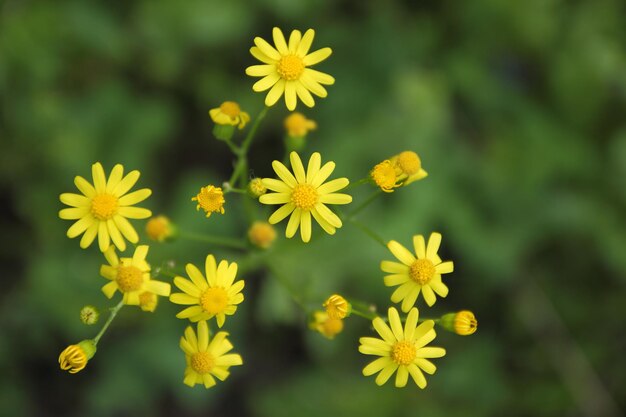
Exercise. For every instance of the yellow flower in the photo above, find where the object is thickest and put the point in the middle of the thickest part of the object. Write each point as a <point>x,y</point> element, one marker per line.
<point>304,195</point>
<point>285,68</point>
<point>463,322</point>
<point>103,208</point>
<point>401,350</point>
<point>148,301</point>
<point>408,167</point>
<point>213,296</point>
<point>326,326</point>
<point>130,276</point>
<point>75,357</point>
<point>262,234</point>
<point>210,199</point>
<point>256,188</point>
<point>297,125</point>
<point>337,307</point>
<point>416,274</point>
<point>159,228</point>
<point>384,175</point>
<point>229,113</point>
<point>207,359</point>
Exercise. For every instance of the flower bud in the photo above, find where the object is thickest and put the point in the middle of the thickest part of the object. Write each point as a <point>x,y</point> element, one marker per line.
<point>462,323</point>
<point>89,315</point>
<point>337,307</point>
<point>256,188</point>
<point>324,325</point>
<point>75,357</point>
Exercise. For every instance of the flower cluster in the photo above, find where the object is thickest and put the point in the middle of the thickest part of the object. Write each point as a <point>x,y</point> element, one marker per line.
<point>303,195</point>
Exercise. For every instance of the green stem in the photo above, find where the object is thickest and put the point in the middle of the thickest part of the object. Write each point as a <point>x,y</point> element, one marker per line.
<point>365,315</point>
<point>245,145</point>
<point>114,312</point>
<point>368,232</point>
<point>357,183</point>
<point>222,241</point>
<point>288,287</point>
<point>365,203</point>
<point>234,148</point>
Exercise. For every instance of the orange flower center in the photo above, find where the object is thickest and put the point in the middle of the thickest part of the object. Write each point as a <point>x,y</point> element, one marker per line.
<point>304,196</point>
<point>104,206</point>
<point>214,300</point>
<point>202,362</point>
<point>422,271</point>
<point>403,353</point>
<point>290,67</point>
<point>129,278</point>
<point>230,108</point>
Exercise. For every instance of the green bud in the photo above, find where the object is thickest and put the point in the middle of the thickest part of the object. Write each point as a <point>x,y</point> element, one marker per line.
<point>89,347</point>
<point>89,315</point>
<point>223,132</point>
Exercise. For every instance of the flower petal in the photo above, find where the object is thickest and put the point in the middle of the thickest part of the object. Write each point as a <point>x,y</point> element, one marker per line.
<point>75,200</point>
<point>115,177</point>
<point>445,267</point>
<point>135,197</point>
<point>383,330</point>
<point>187,286</point>
<point>290,95</point>
<point>134,212</point>
<point>396,279</point>
<point>332,186</point>
<point>279,41</point>
<point>80,226</point>
<point>394,267</point>
<point>294,41</point>
<point>315,161</point>
<point>402,376</point>
<point>256,52</point>
<point>261,71</point>
<point>328,215</point>
<point>328,228</point>
<point>386,373</point>
<point>84,186</point>
<point>376,366</point>
<point>401,253</point>
<point>305,43</point>
<point>116,236</point>
<point>281,213</point>
<point>99,179</point>
<point>304,95</point>
<point>126,228</point>
<point>310,84</point>
<point>266,48</point>
<point>126,183</point>
<point>429,295</point>
<point>317,56</point>
<point>210,268</point>
<point>276,185</point>
<point>431,352</point>
<point>274,94</point>
<point>417,375</point>
<point>411,298</point>
<point>323,174</point>
<point>411,324</point>
<point>104,240</point>
<point>297,167</point>
<point>284,174</point>
<point>294,222</point>
<point>433,245</point>
<point>203,336</point>
<point>396,324</point>
<point>419,246</point>
<point>336,198</point>
<point>266,82</point>
<point>305,226</point>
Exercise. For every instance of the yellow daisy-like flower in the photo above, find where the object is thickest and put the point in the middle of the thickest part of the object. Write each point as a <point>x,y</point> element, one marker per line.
<point>416,273</point>
<point>130,276</point>
<point>304,194</point>
<point>384,175</point>
<point>229,113</point>
<point>324,325</point>
<point>210,199</point>
<point>401,350</point>
<point>217,295</point>
<point>297,125</point>
<point>75,357</point>
<point>285,68</point>
<point>207,359</point>
<point>337,307</point>
<point>103,208</point>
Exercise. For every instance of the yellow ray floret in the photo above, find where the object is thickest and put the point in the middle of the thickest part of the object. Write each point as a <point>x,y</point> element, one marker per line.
<point>304,194</point>
<point>416,273</point>
<point>217,295</point>
<point>285,69</point>
<point>104,207</point>
<point>401,350</point>
<point>131,277</point>
<point>207,359</point>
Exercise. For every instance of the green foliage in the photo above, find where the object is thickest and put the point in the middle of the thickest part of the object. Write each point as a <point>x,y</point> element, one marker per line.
<point>516,109</point>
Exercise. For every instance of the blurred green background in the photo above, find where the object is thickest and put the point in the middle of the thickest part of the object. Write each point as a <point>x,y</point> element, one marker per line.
<point>516,108</point>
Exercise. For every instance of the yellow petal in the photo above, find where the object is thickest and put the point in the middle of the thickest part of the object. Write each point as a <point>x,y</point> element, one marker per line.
<point>135,197</point>
<point>317,56</point>
<point>294,222</point>
<point>401,253</point>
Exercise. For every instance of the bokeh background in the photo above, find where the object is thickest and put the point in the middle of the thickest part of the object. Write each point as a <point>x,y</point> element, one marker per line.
<point>516,108</point>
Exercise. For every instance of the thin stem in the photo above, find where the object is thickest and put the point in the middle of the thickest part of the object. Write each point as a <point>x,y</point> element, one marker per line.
<point>222,241</point>
<point>245,145</point>
<point>365,315</point>
<point>288,287</point>
<point>357,183</point>
<point>365,203</point>
<point>114,312</point>
<point>234,148</point>
<point>368,232</point>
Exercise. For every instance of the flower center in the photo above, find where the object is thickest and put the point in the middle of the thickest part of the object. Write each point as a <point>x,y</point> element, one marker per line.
<point>409,162</point>
<point>104,206</point>
<point>290,67</point>
<point>230,108</point>
<point>403,353</point>
<point>210,199</point>
<point>129,278</point>
<point>214,300</point>
<point>422,271</point>
<point>202,362</point>
<point>384,175</point>
<point>304,196</point>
